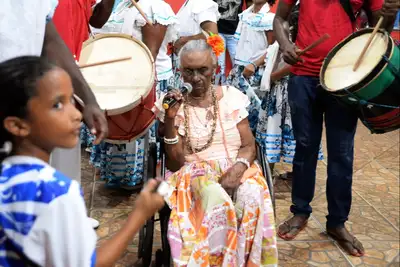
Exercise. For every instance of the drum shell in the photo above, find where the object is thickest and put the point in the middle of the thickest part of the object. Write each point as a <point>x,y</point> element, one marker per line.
<point>134,123</point>
<point>385,116</point>
<point>376,98</point>
<point>373,78</point>
<point>383,79</point>
<point>132,119</point>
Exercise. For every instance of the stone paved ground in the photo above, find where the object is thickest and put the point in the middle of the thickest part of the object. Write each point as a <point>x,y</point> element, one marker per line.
<point>374,216</point>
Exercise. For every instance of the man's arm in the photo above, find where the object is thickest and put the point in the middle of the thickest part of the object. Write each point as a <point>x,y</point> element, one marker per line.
<point>289,51</point>
<point>55,49</point>
<point>388,11</point>
<point>281,17</point>
<point>153,36</point>
<point>101,13</point>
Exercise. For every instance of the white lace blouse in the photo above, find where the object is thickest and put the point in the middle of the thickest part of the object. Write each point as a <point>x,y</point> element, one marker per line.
<point>195,12</point>
<point>157,11</point>
<point>22,27</point>
<point>250,33</point>
<point>129,21</point>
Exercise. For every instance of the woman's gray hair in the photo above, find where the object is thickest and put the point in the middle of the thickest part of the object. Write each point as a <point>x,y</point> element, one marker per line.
<point>197,45</point>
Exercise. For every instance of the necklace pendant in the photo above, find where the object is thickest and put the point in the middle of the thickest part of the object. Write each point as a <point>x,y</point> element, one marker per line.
<point>210,115</point>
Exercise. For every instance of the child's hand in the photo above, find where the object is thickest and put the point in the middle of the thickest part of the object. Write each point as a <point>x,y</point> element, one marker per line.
<point>149,201</point>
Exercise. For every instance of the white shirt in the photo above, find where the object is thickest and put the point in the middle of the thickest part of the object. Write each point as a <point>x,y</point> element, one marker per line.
<point>52,228</point>
<point>195,12</point>
<point>157,11</point>
<point>129,21</point>
<point>22,27</point>
<point>251,34</point>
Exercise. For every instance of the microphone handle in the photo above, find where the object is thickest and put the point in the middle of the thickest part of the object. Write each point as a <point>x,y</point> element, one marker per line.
<point>170,101</point>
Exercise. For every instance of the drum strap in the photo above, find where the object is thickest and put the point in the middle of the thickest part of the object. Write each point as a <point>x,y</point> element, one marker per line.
<point>392,68</point>
<point>348,9</point>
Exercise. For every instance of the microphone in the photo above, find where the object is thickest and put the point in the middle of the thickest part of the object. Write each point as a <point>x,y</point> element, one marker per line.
<point>170,101</point>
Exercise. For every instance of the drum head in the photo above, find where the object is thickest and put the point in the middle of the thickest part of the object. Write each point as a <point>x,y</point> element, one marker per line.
<point>118,86</point>
<point>337,72</point>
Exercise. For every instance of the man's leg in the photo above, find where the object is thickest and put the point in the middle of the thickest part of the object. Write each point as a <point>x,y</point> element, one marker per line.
<point>68,162</point>
<point>341,124</point>
<point>307,115</point>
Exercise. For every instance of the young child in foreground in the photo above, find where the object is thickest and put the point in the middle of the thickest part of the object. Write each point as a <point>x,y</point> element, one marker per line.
<point>43,219</point>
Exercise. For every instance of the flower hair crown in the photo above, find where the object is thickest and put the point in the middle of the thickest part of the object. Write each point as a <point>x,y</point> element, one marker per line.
<point>216,42</point>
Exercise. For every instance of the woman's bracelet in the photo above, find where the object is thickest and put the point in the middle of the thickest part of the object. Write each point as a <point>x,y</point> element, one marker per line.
<point>171,141</point>
<point>255,66</point>
<point>244,161</point>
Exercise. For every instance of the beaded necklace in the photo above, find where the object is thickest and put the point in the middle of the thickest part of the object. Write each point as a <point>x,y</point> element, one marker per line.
<point>214,117</point>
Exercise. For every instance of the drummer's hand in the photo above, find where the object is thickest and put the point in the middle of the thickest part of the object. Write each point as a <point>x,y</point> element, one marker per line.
<point>290,54</point>
<point>390,8</point>
<point>173,110</point>
<point>96,122</point>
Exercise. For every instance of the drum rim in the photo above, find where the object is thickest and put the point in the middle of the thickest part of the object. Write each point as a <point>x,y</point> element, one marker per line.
<point>369,77</point>
<point>134,104</point>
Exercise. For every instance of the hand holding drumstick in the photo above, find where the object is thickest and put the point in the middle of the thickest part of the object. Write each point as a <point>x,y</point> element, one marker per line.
<point>371,37</point>
<point>292,54</point>
<point>141,12</point>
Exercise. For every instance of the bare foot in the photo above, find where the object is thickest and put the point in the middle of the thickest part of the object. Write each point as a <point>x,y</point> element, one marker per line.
<point>347,241</point>
<point>289,229</point>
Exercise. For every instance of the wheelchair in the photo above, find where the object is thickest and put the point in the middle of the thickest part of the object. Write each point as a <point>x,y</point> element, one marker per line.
<point>146,234</point>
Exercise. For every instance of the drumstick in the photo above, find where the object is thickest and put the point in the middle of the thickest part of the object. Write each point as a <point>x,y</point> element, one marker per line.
<point>322,39</point>
<point>371,37</point>
<point>141,12</point>
<point>104,62</point>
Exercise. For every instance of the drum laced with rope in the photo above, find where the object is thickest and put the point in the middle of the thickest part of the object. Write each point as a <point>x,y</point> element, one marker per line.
<point>373,90</point>
<point>124,89</point>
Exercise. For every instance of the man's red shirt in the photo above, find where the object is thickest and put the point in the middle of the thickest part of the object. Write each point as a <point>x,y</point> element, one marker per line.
<point>71,19</point>
<point>318,17</point>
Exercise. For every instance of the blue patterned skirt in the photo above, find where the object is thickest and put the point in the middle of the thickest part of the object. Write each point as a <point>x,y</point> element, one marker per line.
<point>251,88</point>
<point>122,165</point>
<point>274,129</point>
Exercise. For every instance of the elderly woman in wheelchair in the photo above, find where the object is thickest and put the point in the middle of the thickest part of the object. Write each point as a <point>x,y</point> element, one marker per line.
<point>221,208</point>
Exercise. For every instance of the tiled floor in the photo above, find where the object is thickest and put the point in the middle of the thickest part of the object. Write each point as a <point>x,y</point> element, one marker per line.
<point>374,217</point>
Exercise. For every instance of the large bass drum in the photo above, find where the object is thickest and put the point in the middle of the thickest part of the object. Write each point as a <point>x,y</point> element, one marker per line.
<point>374,89</point>
<point>125,90</point>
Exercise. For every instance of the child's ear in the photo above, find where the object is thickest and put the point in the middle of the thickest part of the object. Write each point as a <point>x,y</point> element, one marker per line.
<point>16,126</point>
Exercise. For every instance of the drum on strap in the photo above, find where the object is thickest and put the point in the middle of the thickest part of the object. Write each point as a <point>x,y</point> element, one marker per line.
<point>125,89</point>
<point>374,89</point>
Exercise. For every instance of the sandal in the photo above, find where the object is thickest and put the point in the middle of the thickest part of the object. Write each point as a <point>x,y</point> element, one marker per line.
<point>352,246</point>
<point>295,229</point>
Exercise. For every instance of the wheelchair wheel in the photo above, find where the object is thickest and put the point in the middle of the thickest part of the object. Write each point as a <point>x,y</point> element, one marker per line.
<point>146,243</point>
<point>147,231</point>
<point>159,258</point>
